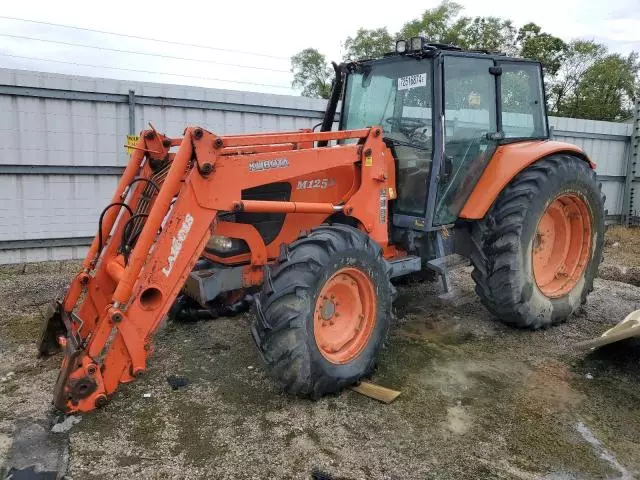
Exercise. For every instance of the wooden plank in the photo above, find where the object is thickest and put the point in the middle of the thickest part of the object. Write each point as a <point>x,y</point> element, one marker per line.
<point>377,392</point>
<point>629,327</point>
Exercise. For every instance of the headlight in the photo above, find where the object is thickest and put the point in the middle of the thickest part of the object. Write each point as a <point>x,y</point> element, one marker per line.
<point>416,44</point>
<point>401,46</point>
<point>219,243</point>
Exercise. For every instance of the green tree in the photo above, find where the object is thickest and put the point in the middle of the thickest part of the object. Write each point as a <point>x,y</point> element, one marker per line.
<point>582,79</point>
<point>579,56</point>
<point>368,44</point>
<point>311,73</point>
<point>437,25</point>
<point>443,24</point>
<point>606,89</point>
<point>541,46</point>
<point>488,33</point>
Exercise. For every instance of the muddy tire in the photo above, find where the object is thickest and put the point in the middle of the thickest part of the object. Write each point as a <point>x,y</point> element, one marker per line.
<point>537,251</point>
<point>324,311</point>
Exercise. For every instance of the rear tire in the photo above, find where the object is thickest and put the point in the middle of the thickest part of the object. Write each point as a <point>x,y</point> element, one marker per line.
<point>519,278</point>
<point>298,328</point>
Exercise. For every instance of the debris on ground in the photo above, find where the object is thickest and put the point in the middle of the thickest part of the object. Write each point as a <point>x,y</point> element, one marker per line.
<point>377,392</point>
<point>177,381</point>
<point>34,451</point>
<point>66,424</point>
<point>317,474</point>
<point>30,473</point>
<point>7,377</point>
<point>626,329</point>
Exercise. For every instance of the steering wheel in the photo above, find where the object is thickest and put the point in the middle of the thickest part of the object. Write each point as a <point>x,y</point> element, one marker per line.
<point>407,126</point>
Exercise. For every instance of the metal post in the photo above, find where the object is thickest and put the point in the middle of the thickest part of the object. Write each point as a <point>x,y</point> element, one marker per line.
<point>132,112</point>
<point>633,156</point>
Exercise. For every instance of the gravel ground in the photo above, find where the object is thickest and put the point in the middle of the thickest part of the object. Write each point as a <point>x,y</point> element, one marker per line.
<point>622,255</point>
<point>479,400</point>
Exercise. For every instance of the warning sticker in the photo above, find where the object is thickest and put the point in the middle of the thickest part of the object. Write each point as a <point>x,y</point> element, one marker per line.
<point>131,142</point>
<point>383,205</point>
<point>412,81</point>
<point>368,161</point>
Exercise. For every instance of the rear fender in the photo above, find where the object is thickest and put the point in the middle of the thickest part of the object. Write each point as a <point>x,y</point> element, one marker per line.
<point>506,163</point>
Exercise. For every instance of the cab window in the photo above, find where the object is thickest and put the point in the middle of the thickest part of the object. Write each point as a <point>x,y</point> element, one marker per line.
<point>523,114</point>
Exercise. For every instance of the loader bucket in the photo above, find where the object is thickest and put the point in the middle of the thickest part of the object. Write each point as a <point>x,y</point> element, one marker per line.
<point>627,328</point>
<point>53,329</point>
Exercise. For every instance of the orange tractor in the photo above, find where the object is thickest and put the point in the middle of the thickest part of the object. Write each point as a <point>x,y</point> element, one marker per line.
<point>440,155</point>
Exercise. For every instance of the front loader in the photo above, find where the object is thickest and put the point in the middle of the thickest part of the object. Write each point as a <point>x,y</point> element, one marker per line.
<point>441,155</point>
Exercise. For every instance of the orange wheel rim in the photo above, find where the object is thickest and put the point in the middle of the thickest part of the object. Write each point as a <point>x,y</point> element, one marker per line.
<point>562,245</point>
<point>344,315</point>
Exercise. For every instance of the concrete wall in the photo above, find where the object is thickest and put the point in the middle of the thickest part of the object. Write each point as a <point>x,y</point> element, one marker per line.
<point>62,136</point>
<point>608,144</point>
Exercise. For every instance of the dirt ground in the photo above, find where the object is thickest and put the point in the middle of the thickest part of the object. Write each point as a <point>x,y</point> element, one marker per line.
<point>479,400</point>
<point>622,255</point>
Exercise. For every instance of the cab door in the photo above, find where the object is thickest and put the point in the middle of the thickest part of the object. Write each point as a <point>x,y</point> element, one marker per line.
<point>409,134</point>
<point>470,130</point>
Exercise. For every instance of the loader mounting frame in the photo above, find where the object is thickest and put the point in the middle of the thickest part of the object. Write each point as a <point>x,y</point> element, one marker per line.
<point>163,212</point>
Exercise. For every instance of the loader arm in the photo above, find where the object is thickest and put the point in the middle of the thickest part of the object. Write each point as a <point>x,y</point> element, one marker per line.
<point>163,213</point>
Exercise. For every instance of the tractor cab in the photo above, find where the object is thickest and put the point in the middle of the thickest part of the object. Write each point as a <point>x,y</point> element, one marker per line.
<point>443,111</point>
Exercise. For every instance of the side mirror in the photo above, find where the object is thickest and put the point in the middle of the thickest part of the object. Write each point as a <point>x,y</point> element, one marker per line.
<point>495,136</point>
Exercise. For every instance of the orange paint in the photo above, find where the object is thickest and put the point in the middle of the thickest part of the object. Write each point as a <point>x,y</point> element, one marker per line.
<point>293,137</point>
<point>261,206</point>
<point>506,163</point>
<point>345,315</point>
<point>562,245</point>
<point>115,268</point>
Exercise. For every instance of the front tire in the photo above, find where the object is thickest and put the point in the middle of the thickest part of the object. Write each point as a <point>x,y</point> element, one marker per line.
<point>324,311</point>
<point>537,251</point>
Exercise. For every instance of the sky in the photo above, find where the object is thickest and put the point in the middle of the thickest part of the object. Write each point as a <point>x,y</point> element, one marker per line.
<point>249,43</point>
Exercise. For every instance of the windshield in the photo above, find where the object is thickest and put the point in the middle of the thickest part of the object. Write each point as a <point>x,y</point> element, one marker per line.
<point>395,95</point>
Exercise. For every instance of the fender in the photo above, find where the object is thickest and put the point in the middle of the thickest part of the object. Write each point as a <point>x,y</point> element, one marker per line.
<point>506,163</point>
